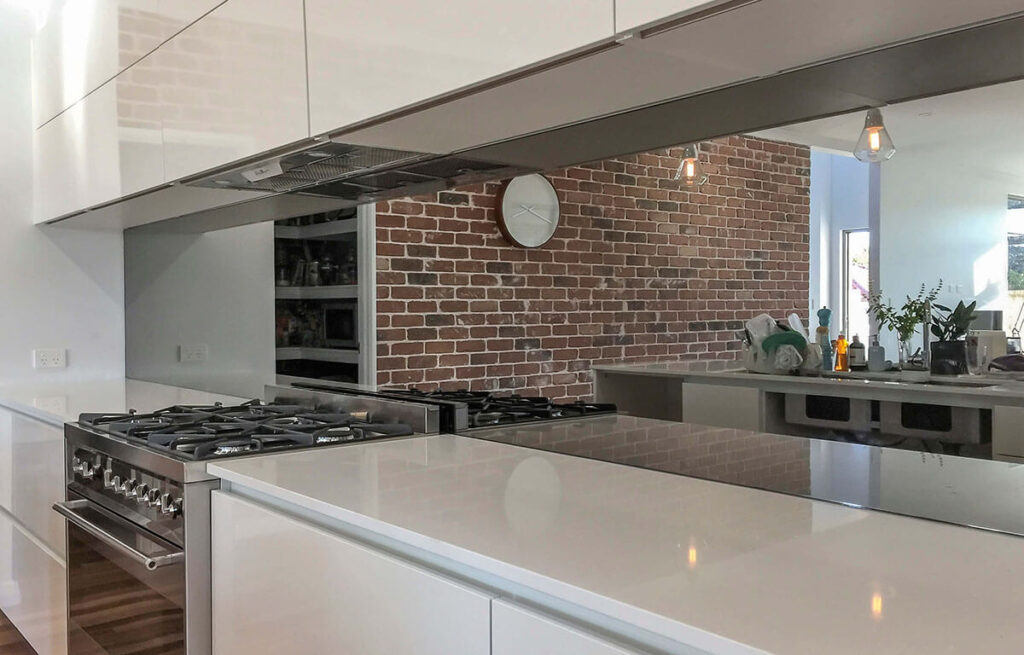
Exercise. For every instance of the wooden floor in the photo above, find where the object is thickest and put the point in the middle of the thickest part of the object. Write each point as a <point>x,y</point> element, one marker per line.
<point>11,641</point>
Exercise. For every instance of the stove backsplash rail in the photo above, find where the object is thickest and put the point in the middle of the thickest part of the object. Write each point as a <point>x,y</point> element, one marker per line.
<point>421,417</point>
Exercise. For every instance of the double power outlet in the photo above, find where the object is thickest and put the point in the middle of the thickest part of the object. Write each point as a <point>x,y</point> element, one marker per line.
<point>49,358</point>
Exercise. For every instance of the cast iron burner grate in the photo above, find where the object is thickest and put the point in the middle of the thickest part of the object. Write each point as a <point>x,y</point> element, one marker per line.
<point>209,431</point>
<point>485,408</point>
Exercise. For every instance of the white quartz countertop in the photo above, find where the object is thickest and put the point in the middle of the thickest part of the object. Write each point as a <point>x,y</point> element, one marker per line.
<point>61,402</point>
<point>724,568</point>
<point>967,391</point>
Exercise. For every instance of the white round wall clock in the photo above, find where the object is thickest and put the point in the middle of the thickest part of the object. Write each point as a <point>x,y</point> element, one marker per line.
<point>528,210</point>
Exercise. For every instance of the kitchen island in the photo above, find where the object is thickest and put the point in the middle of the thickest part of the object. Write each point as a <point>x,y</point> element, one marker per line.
<point>518,550</point>
<point>722,393</point>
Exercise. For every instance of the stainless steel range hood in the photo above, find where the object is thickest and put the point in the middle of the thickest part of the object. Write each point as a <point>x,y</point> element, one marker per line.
<point>323,175</point>
<point>320,177</point>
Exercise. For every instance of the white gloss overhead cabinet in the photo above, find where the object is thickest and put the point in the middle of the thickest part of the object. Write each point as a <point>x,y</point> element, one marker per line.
<point>369,58</point>
<point>81,44</point>
<point>233,85</point>
<point>106,146</point>
<point>284,586</point>
<point>631,14</point>
<point>519,631</point>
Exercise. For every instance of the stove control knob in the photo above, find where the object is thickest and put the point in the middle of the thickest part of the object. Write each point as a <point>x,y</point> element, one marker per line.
<point>88,470</point>
<point>108,479</point>
<point>153,497</point>
<point>128,488</point>
<point>170,505</point>
<point>115,484</point>
<point>140,492</point>
<point>76,465</point>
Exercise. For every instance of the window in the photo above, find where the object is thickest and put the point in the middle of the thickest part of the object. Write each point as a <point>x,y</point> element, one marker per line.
<point>856,265</point>
<point>1013,312</point>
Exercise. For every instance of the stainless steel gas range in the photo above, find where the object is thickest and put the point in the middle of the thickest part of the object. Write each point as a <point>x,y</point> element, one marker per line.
<point>138,505</point>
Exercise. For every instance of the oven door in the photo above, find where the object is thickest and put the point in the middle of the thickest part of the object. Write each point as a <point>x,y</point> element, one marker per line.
<point>126,586</point>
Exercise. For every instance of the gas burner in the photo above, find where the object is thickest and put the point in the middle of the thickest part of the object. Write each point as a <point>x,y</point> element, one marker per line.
<point>204,432</point>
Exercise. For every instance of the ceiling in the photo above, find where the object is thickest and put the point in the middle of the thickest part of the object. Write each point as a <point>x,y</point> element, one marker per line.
<point>987,122</point>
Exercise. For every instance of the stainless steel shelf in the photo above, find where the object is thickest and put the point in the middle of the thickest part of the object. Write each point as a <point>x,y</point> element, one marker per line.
<point>342,356</point>
<point>317,293</point>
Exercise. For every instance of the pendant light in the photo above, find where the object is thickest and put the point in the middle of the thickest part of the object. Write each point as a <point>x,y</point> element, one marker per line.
<point>874,144</point>
<point>690,174</point>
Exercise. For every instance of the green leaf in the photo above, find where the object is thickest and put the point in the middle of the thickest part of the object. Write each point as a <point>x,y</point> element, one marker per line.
<point>937,331</point>
<point>942,307</point>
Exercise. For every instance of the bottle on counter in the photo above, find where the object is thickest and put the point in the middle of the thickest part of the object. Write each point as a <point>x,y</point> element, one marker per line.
<point>876,356</point>
<point>821,335</point>
<point>858,354</point>
<point>842,354</point>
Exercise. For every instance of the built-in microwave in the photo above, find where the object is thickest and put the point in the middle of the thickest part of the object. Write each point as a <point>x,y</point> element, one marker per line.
<point>340,324</point>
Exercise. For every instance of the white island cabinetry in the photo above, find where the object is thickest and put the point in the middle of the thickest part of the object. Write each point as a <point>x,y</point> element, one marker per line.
<point>284,586</point>
<point>520,631</point>
<point>32,578</point>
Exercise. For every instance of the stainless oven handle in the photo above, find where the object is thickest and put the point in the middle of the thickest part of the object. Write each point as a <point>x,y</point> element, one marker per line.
<point>67,510</point>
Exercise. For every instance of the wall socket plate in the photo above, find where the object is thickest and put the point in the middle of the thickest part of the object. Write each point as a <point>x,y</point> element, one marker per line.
<point>193,353</point>
<point>49,358</point>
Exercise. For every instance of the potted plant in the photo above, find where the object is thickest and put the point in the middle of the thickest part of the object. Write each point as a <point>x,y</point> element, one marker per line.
<point>903,321</point>
<point>949,353</point>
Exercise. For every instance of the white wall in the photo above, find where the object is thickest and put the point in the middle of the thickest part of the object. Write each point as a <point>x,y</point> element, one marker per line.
<point>944,216</point>
<point>60,288</point>
<point>216,289</point>
<point>839,201</point>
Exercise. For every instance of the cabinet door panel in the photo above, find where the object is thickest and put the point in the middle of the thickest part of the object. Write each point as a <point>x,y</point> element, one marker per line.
<point>368,58</point>
<point>104,147</point>
<point>283,586</point>
<point>32,475</point>
<point>722,406</point>
<point>630,14</point>
<point>233,85</point>
<point>32,590</point>
<point>518,631</point>
<point>82,44</point>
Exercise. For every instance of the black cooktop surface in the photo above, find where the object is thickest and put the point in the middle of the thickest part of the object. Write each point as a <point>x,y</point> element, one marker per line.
<point>209,431</point>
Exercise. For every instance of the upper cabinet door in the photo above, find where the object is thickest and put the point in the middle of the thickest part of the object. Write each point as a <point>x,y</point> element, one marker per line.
<point>82,44</point>
<point>630,14</point>
<point>368,58</point>
<point>105,146</point>
<point>234,85</point>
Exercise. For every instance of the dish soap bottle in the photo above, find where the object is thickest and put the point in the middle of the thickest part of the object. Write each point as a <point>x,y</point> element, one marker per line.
<point>876,356</point>
<point>842,356</point>
<point>823,338</point>
<point>858,355</point>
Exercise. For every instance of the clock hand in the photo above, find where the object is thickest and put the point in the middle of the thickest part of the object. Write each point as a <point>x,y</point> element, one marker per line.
<point>520,212</point>
<point>543,218</point>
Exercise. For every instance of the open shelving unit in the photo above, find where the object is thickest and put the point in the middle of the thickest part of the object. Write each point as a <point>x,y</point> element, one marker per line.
<point>305,303</point>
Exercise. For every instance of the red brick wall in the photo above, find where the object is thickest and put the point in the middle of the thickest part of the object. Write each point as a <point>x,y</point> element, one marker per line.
<point>638,270</point>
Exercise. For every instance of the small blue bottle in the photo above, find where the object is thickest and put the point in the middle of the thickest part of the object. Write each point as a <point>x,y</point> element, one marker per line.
<point>824,338</point>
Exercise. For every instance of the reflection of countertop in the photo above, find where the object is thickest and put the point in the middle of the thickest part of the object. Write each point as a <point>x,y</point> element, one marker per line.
<point>720,567</point>
<point>880,386</point>
<point>959,490</point>
<point>61,402</point>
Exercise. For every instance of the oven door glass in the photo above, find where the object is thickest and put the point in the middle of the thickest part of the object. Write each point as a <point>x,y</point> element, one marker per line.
<point>126,587</point>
